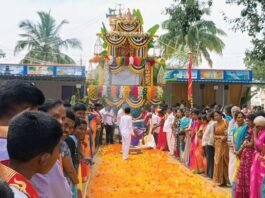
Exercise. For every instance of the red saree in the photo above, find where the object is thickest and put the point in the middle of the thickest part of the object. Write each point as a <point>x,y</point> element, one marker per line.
<point>162,136</point>
<point>18,181</point>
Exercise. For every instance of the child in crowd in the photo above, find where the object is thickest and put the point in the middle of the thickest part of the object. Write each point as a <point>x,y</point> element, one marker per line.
<point>80,112</point>
<point>74,141</point>
<point>33,145</point>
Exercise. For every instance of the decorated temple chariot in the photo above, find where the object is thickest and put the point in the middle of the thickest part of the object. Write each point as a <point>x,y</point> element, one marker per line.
<point>128,68</point>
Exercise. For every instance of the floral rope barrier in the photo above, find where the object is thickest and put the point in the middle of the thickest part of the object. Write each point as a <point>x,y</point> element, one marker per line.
<point>132,92</point>
<point>151,174</point>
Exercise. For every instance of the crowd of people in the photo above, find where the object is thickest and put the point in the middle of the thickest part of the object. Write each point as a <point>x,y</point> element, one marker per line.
<point>47,146</point>
<point>226,145</point>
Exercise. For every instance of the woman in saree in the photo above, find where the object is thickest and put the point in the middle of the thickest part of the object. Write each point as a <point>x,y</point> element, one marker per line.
<point>195,125</point>
<point>179,116</point>
<point>257,170</point>
<point>162,136</point>
<point>239,134</point>
<point>243,175</point>
<point>220,175</point>
<point>184,124</point>
<point>87,147</point>
<point>200,162</point>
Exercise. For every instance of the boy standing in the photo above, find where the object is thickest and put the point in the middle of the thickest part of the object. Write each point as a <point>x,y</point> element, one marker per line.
<point>33,145</point>
<point>126,129</point>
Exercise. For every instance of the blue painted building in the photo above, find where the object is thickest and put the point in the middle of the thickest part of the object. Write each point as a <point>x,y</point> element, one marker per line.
<point>209,86</point>
<point>56,81</point>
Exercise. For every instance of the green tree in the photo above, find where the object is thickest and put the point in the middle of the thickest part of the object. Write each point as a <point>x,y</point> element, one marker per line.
<point>252,21</point>
<point>43,41</point>
<point>188,31</point>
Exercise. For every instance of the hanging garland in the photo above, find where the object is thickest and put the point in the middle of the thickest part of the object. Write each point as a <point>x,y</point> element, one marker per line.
<point>155,101</point>
<point>136,103</point>
<point>122,60</point>
<point>118,69</point>
<point>136,70</point>
<point>116,103</point>
<point>135,64</point>
<point>128,27</point>
<point>125,92</point>
<point>115,40</point>
<point>139,42</point>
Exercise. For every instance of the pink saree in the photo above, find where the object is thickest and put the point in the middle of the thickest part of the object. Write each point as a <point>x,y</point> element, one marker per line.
<point>193,146</point>
<point>257,171</point>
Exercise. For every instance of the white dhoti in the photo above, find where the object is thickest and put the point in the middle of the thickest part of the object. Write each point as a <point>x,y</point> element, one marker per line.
<point>231,165</point>
<point>171,142</point>
<point>126,142</point>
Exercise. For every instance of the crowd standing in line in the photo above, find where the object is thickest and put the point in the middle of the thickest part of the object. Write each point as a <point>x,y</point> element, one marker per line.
<point>225,144</point>
<point>47,146</point>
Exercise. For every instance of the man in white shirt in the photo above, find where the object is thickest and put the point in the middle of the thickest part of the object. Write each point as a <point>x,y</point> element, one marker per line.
<point>232,156</point>
<point>119,115</point>
<point>109,119</point>
<point>155,120</point>
<point>168,128</point>
<point>126,128</point>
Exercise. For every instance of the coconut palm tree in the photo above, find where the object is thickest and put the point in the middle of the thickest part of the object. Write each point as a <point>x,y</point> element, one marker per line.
<point>43,42</point>
<point>187,31</point>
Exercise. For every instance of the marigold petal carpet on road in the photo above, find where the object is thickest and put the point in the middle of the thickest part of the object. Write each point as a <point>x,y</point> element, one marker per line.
<point>150,174</point>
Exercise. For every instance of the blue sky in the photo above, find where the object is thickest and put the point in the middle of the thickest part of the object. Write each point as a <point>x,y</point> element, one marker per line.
<point>86,16</point>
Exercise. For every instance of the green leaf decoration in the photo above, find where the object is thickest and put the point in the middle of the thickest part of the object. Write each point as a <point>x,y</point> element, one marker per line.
<point>153,29</point>
<point>103,29</point>
<point>139,16</point>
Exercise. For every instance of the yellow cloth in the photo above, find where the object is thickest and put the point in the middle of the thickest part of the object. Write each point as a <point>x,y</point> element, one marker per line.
<point>236,170</point>
<point>80,184</point>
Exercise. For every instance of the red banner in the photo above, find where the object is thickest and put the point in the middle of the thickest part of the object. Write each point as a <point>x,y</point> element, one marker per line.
<point>190,79</point>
